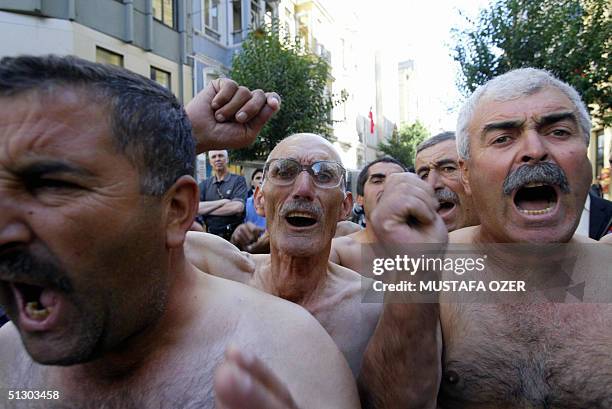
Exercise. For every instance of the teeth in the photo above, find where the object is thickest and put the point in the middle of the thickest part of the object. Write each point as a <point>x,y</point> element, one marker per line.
<point>300,214</point>
<point>534,184</point>
<point>535,212</point>
<point>36,313</point>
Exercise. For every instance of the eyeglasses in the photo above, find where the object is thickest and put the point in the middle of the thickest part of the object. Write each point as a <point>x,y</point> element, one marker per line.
<point>325,174</point>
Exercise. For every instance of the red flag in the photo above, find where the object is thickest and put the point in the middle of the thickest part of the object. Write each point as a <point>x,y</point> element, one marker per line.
<point>371,121</point>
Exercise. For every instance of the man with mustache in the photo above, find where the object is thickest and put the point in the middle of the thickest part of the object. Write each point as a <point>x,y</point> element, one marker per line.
<point>436,163</point>
<point>302,197</point>
<point>347,250</point>
<point>97,194</point>
<point>522,140</point>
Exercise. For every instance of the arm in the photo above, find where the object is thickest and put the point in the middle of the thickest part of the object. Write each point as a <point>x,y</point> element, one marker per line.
<point>207,207</point>
<point>227,116</point>
<point>218,257</point>
<point>229,208</point>
<point>235,205</point>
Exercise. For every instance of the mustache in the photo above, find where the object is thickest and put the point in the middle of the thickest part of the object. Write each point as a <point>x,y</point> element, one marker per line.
<point>543,172</point>
<point>20,265</point>
<point>446,195</point>
<point>301,205</point>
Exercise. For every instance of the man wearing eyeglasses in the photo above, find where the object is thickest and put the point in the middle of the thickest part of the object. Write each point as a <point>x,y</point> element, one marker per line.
<point>302,197</point>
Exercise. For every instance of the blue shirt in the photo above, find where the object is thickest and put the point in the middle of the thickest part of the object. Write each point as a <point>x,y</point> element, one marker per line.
<point>252,216</point>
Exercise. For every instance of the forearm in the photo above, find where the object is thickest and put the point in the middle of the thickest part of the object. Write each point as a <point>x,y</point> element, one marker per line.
<point>402,363</point>
<point>205,208</point>
<point>228,209</point>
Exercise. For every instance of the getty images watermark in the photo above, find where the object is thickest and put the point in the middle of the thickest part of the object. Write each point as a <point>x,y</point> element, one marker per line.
<point>453,265</point>
<point>487,273</point>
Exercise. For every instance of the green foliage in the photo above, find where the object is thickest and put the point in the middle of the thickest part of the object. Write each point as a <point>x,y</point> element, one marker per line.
<point>272,62</point>
<point>402,146</point>
<point>570,38</point>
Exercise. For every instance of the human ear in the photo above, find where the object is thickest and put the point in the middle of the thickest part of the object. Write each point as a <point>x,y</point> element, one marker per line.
<point>347,206</point>
<point>259,201</point>
<point>181,207</point>
<point>464,176</point>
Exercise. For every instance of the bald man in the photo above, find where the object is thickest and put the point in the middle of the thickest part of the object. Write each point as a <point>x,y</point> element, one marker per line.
<point>302,197</point>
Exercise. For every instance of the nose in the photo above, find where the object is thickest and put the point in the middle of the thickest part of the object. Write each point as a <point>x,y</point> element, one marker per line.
<point>434,180</point>
<point>13,229</point>
<point>533,150</point>
<point>303,186</point>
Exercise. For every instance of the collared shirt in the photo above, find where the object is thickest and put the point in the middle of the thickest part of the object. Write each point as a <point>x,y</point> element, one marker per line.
<point>232,187</point>
<point>585,217</point>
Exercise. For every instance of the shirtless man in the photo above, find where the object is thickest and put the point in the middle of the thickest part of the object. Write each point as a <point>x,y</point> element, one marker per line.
<point>97,196</point>
<point>437,163</point>
<point>522,139</point>
<point>348,250</point>
<point>302,197</point>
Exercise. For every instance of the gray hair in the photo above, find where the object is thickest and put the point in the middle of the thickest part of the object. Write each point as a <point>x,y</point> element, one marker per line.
<point>513,85</point>
<point>434,140</point>
<point>221,150</point>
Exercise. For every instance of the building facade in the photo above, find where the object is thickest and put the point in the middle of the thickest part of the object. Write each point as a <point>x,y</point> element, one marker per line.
<point>148,37</point>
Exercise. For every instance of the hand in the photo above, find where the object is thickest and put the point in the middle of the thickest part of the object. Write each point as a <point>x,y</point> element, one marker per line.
<point>228,116</point>
<point>407,212</point>
<point>245,235</point>
<point>244,382</point>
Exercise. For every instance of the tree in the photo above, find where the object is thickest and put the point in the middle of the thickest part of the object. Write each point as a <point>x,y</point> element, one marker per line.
<point>570,38</point>
<point>402,145</point>
<point>270,61</point>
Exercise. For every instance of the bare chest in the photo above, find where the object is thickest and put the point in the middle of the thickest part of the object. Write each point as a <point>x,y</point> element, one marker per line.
<point>348,321</point>
<point>180,381</point>
<point>527,356</point>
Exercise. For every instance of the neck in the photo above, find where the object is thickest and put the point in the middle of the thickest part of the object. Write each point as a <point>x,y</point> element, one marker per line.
<point>297,279</point>
<point>132,357</point>
<point>221,173</point>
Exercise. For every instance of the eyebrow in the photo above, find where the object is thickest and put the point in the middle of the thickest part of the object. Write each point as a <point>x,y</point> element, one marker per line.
<point>437,164</point>
<point>503,125</point>
<point>48,166</point>
<point>556,117</point>
<point>377,175</point>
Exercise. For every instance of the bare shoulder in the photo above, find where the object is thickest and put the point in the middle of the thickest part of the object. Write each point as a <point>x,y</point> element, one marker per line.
<point>293,345</point>
<point>216,256</point>
<point>463,236</point>
<point>579,239</point>
<point>606,239</point>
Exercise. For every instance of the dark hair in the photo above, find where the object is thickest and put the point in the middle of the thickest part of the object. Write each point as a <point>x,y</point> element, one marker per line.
<point>256,171</point>
<point>363,175</point>
<point>148,124</point>
<point>434,140</point>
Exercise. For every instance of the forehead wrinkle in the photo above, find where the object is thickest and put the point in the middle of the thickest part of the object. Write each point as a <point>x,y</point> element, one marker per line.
<point>305,148</point>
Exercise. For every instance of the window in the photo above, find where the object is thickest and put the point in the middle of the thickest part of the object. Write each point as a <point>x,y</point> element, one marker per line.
<point>599,156</point>
<point>236,21</point>
<point>105,56</point>
<point>163,10</point>
<point>161,77</point>
<point>256,13</point>
<point>211,18</point>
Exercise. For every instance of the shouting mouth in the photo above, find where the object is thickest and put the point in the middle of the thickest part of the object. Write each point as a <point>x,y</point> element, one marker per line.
<point>446,208</point>
<point>301,219</point>
<point>535,199</point>
<point>38,306</point>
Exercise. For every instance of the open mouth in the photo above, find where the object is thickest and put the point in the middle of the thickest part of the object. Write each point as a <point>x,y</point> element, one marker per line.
<point>37,305</point>
<point>535,199</point>
<point>445,208</point>
<point>300,219</point>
